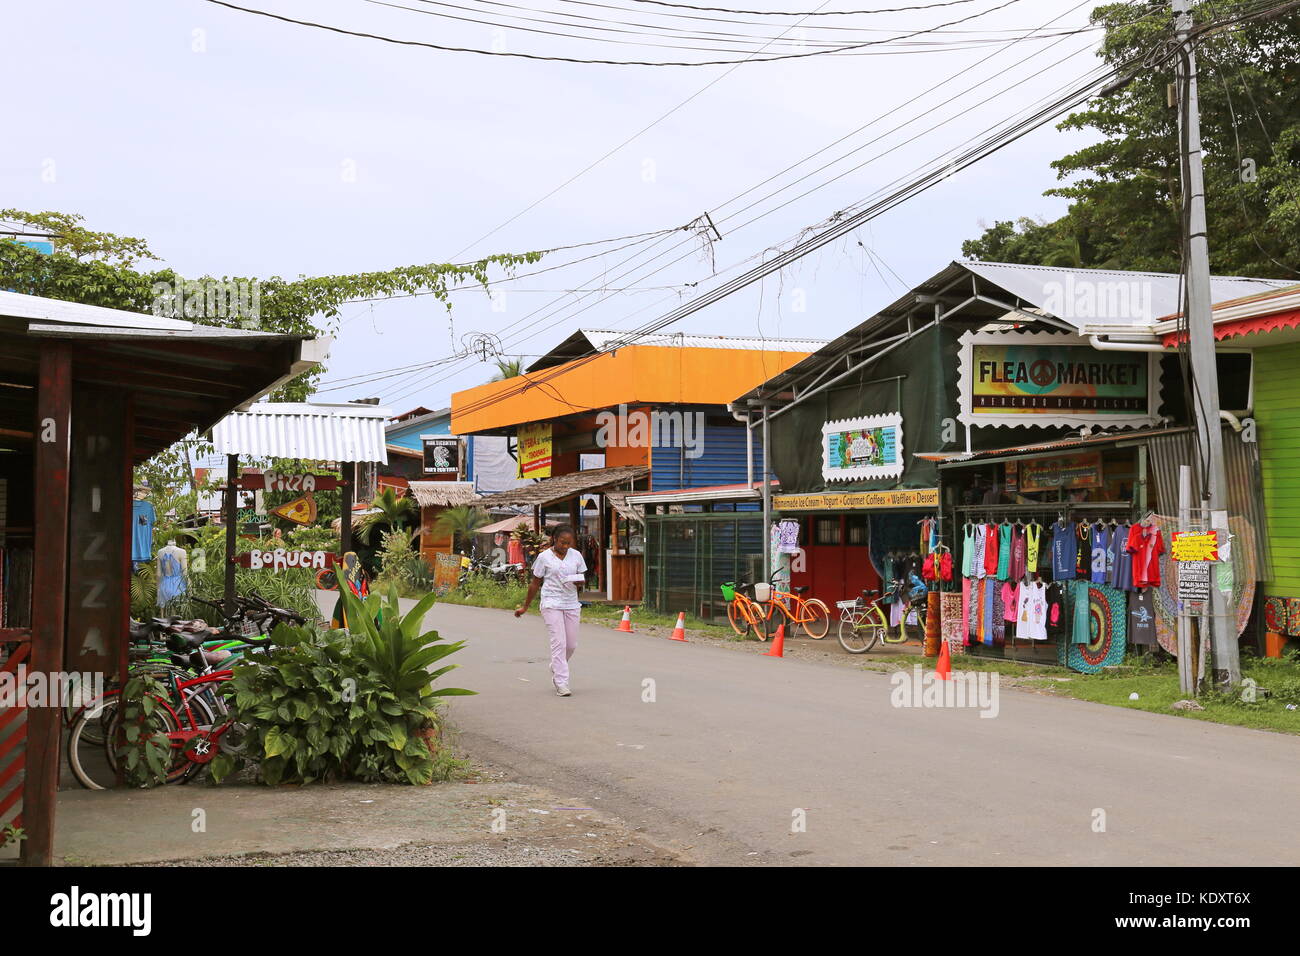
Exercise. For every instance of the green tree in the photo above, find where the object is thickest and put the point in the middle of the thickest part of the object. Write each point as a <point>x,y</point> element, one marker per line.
<point>392,513</point>
<point>1124,190</point>
<point>460,522</point>
<point>508,368</point>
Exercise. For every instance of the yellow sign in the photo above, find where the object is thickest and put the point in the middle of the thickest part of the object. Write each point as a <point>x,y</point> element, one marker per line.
<point>842,500</point>
<point>1195,546</point>
<point>299,511</point>
<point>534,450</point>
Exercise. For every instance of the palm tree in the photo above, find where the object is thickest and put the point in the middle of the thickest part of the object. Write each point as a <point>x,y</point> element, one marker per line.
<point>392,513</point>
<point>460,522</point>
<point>508,368</point>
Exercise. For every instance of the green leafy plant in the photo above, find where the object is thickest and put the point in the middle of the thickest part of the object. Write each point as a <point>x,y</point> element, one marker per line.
<point>11,834</point>
<point>345,704</point>
<point>143,752</point>
<point>460,522</point>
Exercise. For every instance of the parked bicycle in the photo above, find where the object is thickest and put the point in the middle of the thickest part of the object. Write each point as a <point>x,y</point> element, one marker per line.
<point>746,614</point>
<point>864,623</point>
<point>811,614</point>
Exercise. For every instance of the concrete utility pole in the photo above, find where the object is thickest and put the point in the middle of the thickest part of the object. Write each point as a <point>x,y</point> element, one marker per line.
<point>1200,326</point>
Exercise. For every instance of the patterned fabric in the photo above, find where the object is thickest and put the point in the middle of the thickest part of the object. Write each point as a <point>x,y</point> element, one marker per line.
<point>952,613</point>
<point>1107,618</point>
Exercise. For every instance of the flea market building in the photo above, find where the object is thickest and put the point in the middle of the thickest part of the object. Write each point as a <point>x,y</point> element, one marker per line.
<point>994,394</point>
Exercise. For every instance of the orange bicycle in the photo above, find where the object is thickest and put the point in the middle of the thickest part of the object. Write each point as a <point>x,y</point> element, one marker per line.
<point>811,614</point>
<point>744,613</point>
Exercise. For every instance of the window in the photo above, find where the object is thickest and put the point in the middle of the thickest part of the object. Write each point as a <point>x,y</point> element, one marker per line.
<point>855,527</point>
<point>827,531</point>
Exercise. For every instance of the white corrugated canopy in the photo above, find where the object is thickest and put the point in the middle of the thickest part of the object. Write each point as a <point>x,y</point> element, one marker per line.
<point>340,432</point>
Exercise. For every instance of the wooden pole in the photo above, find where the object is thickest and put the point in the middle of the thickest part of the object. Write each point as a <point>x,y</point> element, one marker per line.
<point>232,527</point>
<point>49,594</point>
<point>348,472</point>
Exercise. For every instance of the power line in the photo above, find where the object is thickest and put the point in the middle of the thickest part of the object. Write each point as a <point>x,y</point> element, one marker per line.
<point>588,61</point>
<point>878,118</point>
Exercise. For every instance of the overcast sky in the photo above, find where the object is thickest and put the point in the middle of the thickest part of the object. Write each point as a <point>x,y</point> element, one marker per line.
<point>239,145</point>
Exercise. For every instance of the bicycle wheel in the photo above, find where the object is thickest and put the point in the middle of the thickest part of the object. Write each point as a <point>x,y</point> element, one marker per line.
<point>819,621</point>
<point>857,636</point>
<point>739,621</point>
<point>92,756</point>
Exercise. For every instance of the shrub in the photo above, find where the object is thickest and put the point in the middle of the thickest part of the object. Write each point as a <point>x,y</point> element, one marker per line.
<point>346,704</point>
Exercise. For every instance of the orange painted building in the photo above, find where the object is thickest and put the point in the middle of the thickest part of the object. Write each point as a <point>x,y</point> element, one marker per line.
<point>656,411</point>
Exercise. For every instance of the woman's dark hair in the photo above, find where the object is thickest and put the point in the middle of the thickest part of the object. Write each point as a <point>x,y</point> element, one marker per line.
<point>560,529</point>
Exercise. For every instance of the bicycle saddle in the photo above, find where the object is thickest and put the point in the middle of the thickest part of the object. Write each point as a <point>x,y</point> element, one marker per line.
<point>799,590</point>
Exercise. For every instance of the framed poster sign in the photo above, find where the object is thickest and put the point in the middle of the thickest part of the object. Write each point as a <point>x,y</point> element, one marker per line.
<point>857,448</point>
<point>1064,472</point>
<point>441,457</point>
<point>1046,378</point>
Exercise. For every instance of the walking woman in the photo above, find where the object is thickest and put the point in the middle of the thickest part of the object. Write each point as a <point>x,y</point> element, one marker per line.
<point>557,572</point>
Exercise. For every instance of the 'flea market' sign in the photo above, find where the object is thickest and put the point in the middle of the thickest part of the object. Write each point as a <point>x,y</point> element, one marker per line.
<point>857,448</point>
<point>845,500</point>
<point>1041,378</point>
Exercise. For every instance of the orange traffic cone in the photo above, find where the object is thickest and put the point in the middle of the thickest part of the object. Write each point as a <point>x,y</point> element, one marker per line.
<point>944,667</point>
<point>778,643</point>
<point>625,625</point>
<point>679,632</point>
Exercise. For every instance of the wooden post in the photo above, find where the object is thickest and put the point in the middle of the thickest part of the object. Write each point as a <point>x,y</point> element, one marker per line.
<point>347,487</point>
<point>232,527</point>
<point>49,594</point>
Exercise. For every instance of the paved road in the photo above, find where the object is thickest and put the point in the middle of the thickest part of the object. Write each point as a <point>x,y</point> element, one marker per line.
<point>735,742</point>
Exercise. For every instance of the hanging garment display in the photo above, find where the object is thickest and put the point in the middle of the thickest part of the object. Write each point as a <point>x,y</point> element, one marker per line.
<point>1079,628</point>
<point>1063,552</point>
<point>143,518</point>
<point>1100,546</point>
<point>1119,563</point>
<point>1010,600</point>
<point>1019,555</point>
<point>1004,552</point>
<point>952,610</point>
<point>1033,534</point>
<point>968,550</point>
<point>1146,544</point>
<point>1106,614</point>
<point>965,609</point>
<point>1031,611</point>
<point>1058,618</point>
<point>171,573</point>
<point>1142,617</point>
<point>990,550</point>
<point>1083,550</point>
<point>981,548</point>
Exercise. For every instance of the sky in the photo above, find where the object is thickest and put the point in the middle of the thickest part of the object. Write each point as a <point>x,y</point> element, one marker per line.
<point>240,145</point>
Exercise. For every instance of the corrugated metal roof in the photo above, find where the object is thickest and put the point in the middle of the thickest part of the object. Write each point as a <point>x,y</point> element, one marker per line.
<point>343,432</point>
<point>1041,285</point>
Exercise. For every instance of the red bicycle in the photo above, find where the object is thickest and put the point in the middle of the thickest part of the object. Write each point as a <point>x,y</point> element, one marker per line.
<point>196,722</point>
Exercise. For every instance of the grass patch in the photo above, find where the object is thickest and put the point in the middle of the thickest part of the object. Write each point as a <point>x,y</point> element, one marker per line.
<point>1156,685</point>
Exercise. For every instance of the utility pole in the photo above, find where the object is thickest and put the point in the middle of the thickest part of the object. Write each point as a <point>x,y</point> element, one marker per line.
<point>1200,328</point>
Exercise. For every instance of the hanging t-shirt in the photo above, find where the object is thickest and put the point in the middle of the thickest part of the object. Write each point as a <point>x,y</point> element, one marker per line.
<point>1146,544</point>
<point>1019,566</point>
<point>1063,552</point>
<point>1057,618</point>
<point>990,550</point>
<point>143,517</point>
<point>1032,534</point>
<point>1118,560</point>
<point>1031,614</point>
<point>1100,546</point>
<point>1081,632</point>
<point>1004,552</point>
<point>1010,600</point>
<point>1083,550</point>
<point>1141,617</point>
